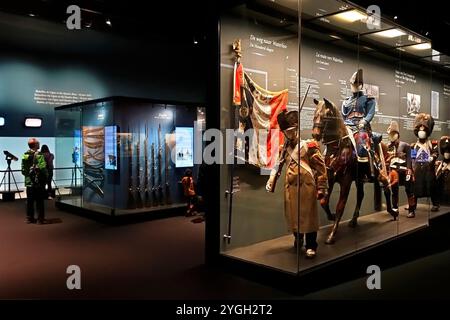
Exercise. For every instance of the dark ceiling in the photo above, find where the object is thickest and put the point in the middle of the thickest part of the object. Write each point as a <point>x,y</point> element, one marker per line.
<point>428,18</point>
<point>185,21</point>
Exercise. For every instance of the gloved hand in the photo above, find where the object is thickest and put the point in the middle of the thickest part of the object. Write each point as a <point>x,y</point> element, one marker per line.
<point>269,184</point>
<point>362,123</point>
<point>321,194</point>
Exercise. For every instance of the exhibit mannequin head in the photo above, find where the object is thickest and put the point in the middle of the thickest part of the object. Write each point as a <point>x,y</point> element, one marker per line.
<point>33,144</point>
<point>393,131</point>
<point>288,122</point>
<point>356,81</point>
<point>444,147</point>
<point>423,126</point>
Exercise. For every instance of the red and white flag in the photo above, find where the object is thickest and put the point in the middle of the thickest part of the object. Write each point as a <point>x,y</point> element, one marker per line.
<point>263,107</point>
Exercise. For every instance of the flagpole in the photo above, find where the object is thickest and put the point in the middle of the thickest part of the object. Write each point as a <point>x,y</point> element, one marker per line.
<point>299,120</point>
<point>230,191</point>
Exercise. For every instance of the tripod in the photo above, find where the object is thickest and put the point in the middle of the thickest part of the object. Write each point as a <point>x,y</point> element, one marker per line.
<point>9,172</point>
<point>75,170</point>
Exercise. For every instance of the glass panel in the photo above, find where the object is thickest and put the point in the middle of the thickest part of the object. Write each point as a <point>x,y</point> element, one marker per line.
<point>68,173</point>
<point>253,221</point>
<point>357,86</point>
<point>132,155</point>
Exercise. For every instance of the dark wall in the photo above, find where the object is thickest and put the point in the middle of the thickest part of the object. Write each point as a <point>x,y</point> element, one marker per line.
<point>40,55</point>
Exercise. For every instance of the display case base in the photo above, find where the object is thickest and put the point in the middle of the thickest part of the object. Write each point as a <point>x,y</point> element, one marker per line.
<point>117,216</point>
<point>275,262</point>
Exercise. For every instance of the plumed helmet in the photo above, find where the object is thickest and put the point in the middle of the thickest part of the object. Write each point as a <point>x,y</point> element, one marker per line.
<point>287,119</point>
<point>357,78</point>
<point>444,144</point>
<point>393,127</point>
<point>423,119</point>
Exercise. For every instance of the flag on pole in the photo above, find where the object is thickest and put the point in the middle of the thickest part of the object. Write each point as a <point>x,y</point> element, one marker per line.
<point>261,106</point>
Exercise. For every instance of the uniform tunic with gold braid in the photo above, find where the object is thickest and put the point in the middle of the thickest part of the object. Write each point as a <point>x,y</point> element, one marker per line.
<point>400,171</point>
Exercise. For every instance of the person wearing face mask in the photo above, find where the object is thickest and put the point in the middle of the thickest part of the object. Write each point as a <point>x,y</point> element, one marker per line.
<point>424,153</point>
<point>358,111</point>
<point>443,171</point>
<point>399,166</point>
<point>300,207</point>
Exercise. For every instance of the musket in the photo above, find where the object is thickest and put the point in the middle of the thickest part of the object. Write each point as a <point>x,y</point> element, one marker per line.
<point>160,164</point>
<point>166,170</point>
<point>384,172</point>
<point>147,201</point>
<point>153,165</point>
<point>285,147</point>
<point>139,203</point>
<point>131,201</point>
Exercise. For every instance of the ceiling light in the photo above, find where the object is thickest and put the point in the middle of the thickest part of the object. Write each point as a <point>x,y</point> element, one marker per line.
<point>2,121</point>
<point>395,18</point>
<point>391,33</point>
<point>108,22</point>
<point>335,37</point>
<point>421,46</point>
<point>33,122</point>
<point>31,14</point>
<point>351,16</point>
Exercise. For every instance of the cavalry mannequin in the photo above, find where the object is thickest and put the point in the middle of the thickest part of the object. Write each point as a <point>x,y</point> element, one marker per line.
<point>424,153</point>
<point>443,171</point>
<point>300,207</point>
<point>399,165</point>
<point>358,111</point>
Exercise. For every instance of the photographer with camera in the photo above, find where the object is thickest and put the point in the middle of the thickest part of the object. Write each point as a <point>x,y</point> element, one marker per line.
<point>34,168</point>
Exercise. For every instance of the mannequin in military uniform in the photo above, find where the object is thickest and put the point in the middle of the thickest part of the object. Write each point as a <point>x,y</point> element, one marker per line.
<point>358,111</point>
<point>300,207</point>
<point>424,153</point>
<point>399,165</point>
<point>443,171</point>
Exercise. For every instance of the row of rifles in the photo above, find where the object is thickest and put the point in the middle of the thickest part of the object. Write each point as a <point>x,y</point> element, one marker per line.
<point>153,190</point>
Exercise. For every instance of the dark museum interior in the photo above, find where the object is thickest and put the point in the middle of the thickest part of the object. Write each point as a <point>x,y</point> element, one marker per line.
<point>116,178</point>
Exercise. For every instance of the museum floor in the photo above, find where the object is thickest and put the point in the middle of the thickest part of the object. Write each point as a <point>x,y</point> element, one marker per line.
<point>159,259</point>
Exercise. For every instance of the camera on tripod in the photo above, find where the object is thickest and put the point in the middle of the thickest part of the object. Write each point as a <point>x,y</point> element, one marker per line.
<point>8,175</point>
<point>10,156</point>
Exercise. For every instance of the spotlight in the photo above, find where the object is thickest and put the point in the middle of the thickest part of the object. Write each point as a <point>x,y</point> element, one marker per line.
<point>33,122</point>
<point>31,14</point>
<point>395,18</point>
<point>108,22</point>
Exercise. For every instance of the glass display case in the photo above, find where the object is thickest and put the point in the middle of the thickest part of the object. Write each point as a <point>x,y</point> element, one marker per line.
<point>125,155</point>
<point>357,90</point>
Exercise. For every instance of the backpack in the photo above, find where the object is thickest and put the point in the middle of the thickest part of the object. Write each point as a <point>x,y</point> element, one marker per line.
<point>35,173</point>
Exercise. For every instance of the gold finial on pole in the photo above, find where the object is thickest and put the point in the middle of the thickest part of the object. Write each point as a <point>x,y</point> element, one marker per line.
<point>237,50</point>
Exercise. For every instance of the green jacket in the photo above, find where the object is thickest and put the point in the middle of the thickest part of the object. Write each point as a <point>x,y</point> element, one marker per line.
<point>27,163</point>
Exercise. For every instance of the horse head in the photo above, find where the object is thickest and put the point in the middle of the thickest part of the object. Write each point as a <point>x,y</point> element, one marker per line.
<point>328,123</point>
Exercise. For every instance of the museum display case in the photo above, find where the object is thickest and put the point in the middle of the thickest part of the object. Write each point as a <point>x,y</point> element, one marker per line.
<point>126,155</point>
<point>364,155</point>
